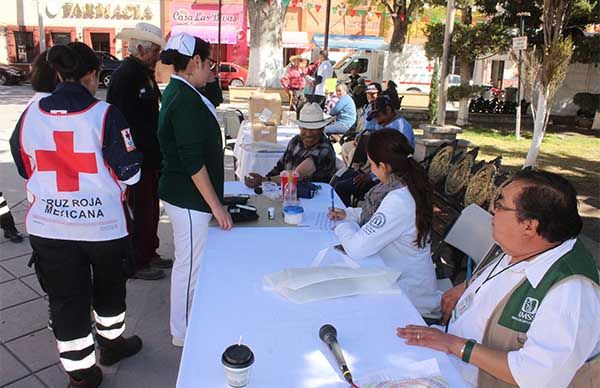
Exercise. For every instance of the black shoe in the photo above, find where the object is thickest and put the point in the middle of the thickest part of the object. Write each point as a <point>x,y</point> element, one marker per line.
<point>88,378</point>
<point>149,273</point>
<point>113,351</point>
<point>13,235</point>
<point>158,262</point>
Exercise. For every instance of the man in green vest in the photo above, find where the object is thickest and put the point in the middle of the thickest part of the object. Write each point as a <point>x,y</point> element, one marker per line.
<point>531,317</point>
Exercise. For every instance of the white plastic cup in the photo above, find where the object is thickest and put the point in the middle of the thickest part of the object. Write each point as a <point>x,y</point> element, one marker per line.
<point>271,213</point>
<point>237,361</point>
<point>293,214</point>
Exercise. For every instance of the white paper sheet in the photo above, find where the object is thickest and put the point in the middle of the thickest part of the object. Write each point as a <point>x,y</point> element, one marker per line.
<point>303,285</point>
<point>319,220</point>
<point>422,374</point>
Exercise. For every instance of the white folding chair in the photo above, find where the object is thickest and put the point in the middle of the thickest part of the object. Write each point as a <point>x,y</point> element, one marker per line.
<point>472,235</point>
<point>232,124</point>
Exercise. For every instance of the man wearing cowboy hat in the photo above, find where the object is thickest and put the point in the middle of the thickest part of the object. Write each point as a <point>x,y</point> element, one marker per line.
<point>134,91</point>
<point>310,153</point>
<point>293,82</point>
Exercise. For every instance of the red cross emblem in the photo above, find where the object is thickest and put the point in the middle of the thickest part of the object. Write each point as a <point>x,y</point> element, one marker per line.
<point>429,67</point>
<point>66,162</point>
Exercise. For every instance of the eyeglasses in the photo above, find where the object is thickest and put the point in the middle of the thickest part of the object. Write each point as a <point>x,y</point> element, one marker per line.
<point>211,62</point>
<point>499,206</point>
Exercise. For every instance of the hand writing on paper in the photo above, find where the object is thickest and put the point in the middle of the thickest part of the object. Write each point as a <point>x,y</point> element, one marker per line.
<point>336,214</point>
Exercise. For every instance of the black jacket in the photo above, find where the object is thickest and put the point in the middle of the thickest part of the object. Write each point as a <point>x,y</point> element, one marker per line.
<point>213,92</point>
<point>134,91</point>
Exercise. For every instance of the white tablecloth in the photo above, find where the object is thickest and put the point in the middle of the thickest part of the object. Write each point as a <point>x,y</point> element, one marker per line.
<point>230,302</point>
<point>260,157</point>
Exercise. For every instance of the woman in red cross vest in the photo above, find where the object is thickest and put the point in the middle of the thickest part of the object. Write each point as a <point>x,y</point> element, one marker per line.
<point>77,155</point>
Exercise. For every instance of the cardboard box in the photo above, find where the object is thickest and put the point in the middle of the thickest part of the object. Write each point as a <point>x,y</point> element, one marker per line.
<point>262,132</point>
<point>265,108</point>
<point>288,117</point>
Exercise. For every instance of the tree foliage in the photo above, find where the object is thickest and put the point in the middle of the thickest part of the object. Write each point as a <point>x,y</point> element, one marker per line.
<point>576,16</point>
<point>588,103</point>
<point>402,13</point>
<point>468,42</point>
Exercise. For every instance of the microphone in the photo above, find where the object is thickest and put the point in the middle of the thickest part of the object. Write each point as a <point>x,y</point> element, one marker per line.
<point>328,334</point>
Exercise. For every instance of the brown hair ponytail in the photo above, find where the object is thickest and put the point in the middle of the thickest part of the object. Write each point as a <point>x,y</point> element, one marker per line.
<point>391,147</point>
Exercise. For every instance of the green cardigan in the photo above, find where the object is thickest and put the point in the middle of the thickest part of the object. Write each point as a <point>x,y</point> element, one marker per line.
<point>190,138</point>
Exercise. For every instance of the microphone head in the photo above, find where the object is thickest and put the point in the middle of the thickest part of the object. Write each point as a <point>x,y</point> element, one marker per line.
<point>327,332</point>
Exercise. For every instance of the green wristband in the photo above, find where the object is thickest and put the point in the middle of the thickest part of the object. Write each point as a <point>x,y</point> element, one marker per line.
<point>467,350</point>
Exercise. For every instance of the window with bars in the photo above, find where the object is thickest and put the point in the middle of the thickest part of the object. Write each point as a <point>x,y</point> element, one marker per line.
<point>24,46</point>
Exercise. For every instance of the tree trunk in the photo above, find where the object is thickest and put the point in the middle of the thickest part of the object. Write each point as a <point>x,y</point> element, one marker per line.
<point>466,70</point>
<point>463,108</point>
<point>394,61</point>
<point>266,52</point>
<point>596,123</point>
<point>539,128</point>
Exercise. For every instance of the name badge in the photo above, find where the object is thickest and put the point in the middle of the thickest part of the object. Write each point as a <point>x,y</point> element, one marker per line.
<point>462,306</point>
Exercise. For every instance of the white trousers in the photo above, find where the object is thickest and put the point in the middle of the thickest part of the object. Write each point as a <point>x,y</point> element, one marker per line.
<point>190,228</point>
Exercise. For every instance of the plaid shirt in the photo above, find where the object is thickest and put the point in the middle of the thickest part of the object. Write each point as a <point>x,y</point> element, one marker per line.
<point>322,155</point>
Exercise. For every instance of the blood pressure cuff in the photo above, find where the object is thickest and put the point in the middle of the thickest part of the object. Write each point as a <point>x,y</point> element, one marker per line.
<point>242,213</point>
<point>236,200</point>
<point>306,190</point>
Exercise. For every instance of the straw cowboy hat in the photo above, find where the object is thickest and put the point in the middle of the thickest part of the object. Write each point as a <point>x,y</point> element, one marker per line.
<point>312,117</point>
<point>294,57</point>
<point>143,31</point>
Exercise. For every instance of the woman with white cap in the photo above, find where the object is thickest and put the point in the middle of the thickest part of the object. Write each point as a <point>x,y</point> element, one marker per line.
<point>191,184</point>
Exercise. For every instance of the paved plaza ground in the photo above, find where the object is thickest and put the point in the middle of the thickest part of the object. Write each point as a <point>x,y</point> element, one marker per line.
<point>28,354</point>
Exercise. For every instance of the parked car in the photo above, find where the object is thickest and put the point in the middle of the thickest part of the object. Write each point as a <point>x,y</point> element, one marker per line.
<point>231,74</point>
<point>108,64</point>
<point>10,75</point>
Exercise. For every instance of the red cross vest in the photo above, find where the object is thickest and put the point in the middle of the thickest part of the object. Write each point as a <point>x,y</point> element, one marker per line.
<point>72,191</point>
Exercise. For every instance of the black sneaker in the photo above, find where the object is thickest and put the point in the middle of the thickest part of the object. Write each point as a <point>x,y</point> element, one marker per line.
<point>88,378</point>
<point>13,235</point>
<point>158,262</point>
<point>149,273</point>
<point>115,350</point>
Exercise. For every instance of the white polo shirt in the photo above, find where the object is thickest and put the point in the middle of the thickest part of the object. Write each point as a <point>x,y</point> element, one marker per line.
<point>565,331</point>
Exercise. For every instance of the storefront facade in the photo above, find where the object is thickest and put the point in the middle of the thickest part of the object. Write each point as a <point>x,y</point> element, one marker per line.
<point>201,18</point>
<point>94,22</point>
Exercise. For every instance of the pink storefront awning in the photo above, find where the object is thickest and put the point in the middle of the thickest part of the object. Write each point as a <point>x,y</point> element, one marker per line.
<point>207,33</point>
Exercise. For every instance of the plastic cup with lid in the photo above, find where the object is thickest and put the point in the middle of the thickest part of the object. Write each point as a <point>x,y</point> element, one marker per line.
<point>237,360</point>
<point>293,214</point>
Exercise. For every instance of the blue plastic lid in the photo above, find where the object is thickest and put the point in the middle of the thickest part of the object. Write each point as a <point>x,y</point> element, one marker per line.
<point>293,209</point>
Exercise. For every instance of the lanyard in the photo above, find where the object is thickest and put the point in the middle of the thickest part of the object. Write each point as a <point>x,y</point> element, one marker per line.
<point>491,275</point>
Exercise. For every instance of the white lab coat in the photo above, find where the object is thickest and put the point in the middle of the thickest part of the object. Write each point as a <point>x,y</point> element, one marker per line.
<point>390,233</point>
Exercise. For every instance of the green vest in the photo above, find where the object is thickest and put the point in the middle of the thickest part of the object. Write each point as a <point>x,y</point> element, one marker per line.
<point>507,327</point>
<point>520,310</point>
